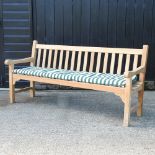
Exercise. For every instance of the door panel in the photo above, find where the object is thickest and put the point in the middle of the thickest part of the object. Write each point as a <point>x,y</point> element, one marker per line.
<point>17,32</point>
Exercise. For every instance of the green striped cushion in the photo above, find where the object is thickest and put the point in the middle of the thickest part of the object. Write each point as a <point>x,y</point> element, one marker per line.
<point>79,76</point>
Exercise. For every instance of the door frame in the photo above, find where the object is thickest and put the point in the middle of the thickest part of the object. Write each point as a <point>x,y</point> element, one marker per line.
<point>1,45</point>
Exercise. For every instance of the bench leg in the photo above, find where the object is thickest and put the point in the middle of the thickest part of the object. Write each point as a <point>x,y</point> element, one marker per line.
<point>140,103</point>
<point>127,111</point>
<point>11,85</point>
<point>127,102</point>
<point>12,92</point>
<point>32,91</point>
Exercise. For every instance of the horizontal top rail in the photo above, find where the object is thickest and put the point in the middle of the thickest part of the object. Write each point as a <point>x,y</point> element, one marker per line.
<point>91,49</point>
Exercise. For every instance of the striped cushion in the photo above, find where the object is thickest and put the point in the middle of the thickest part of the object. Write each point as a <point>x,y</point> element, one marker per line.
<point>79,76</point>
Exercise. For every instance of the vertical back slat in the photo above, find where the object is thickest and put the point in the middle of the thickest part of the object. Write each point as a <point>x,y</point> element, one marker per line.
<point>127,62</point>
<point>135,62</point>
<point>49,58</point>
<point>44,58</point>
<point>55,58</point>
<point>66,59</point>
<point>119,68</point>
<point>79,61</point>
<point>60,59</point>
<point>98,62</point>
<point>105,62</point>
<point>72,60</point>
<point>39,57</point>
<point>34,52</point>
<point>91,62</point>
<point>85,60</point>
<point>112,63</point>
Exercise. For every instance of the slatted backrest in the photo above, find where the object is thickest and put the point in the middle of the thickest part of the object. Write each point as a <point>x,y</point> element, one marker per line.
<point>91,59</point>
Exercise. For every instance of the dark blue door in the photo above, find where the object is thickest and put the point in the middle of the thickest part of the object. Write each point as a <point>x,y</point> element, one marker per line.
<point>15,31</point>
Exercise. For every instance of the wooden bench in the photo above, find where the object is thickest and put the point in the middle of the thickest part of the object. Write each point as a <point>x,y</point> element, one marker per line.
<point>91,59</point>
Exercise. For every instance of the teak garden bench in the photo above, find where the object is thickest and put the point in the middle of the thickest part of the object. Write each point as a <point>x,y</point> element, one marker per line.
<point>96,68</point>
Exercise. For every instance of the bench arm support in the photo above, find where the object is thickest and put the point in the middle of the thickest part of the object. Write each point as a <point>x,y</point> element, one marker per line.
<point>18,61</point>
<point>138,70</point>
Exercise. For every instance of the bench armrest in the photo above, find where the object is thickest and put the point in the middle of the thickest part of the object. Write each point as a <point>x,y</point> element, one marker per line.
<point>138,70</point>
<point>18,61</point>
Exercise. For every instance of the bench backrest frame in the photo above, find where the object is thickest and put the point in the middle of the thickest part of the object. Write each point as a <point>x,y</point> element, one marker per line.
<point>46,56</point>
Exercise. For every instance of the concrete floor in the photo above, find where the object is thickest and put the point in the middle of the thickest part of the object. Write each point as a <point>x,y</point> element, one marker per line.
<point>74,123</point>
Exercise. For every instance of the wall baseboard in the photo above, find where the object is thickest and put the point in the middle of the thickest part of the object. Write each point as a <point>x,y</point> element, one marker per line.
<point>149,85</point>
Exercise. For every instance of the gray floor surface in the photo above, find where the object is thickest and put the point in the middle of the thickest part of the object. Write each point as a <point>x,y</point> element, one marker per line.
<point>74,123</point>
